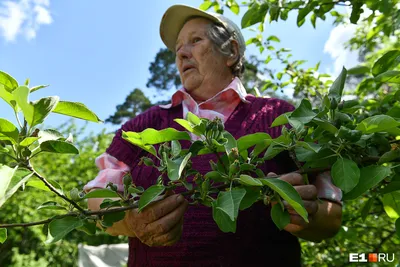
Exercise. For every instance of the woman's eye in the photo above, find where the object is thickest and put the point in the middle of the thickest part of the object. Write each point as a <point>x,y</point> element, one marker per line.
<point>196,39</point>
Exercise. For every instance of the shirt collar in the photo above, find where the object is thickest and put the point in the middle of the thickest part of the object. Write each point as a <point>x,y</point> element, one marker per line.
<point>235,86</point>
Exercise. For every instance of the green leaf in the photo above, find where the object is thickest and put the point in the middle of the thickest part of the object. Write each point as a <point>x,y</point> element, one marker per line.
<point>370,176</point>
<point>255,14</point>
<point>222,219</point>
<point>51,205</point>
<point>110,218</point>
<point>392,155</point>
<point>235,8</point>
<point>229,202</point>
<point>59,228</point>
<point>250,181</point>
<point>288,193</point>
<point>251,197</point>
<point>76,110</point>
<point>149,195</point>
<point>195,147</point>
<point>101,193</point>
<point>391,76</point>
<point>272,151</point>
<point>358,70</point>
<point>304,112</point>
<point>173,168</point>
<point>247,141</point>
<point>184,163</point>
<point>151,136</point>
<point>366,208</point>
<point>49,134</point>
<point>273,38</point>
<point>279,216</point>
<point>176,148</point>
<point>309,146</point>
<point>336,89</point>
<point>281,119</point>
<point>313,20</point>
<point>136,139</point>
<point>3,235</point>
<point>9,83</point>
<point>42,108</point>
<point>193,119</point>
<point>10,130</point>
<point>356,12</point>
<point>8,97</point>
<point>88,228</point>
<point>303,154</point>
<point>326,125</point>
<point>391,204</point>
<point>35,88</point>
<point>345,174</point>
<point>303,12</point>
<point>36,183</point>
<point>215,176</point>
<point>392,186</point>
<point>60,147</point>
<point>28,141</point>
<point>206,5</point>
<point>21,97</point>
<point>389,60</point>
<point>377,123</point>
<point>231,142</point>
<point>9,185</point>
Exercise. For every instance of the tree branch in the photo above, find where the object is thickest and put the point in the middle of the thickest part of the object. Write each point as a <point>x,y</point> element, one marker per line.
<point>53,189</point>
<point>376,249</point>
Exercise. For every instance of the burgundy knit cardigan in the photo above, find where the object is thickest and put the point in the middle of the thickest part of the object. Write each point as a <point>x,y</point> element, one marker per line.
<point>257,241</point>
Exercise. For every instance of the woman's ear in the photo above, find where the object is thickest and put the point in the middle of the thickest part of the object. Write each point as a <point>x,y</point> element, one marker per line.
<point>234,56</point>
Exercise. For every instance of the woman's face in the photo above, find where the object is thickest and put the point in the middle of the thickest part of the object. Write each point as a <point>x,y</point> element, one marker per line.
<point>200,66</point>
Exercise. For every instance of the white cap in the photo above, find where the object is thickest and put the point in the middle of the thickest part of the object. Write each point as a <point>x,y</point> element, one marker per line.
<point>176,16</point>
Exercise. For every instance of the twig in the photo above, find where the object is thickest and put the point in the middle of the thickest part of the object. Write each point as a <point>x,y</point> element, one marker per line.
<point>376,249</point>
<point>52,188</point>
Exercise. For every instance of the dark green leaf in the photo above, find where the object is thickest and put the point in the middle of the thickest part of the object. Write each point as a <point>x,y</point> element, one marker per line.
<point>9,83</point>
<point>196,147</point>
<point>76,110</point>
<point>397,225</point>
<point>59,147</point>
<point>303,12</point>
<point>272,151</point>
<point>279,216</point>
<point>149,195</point>
<point>345,174</point>
<point>250,181</point>
<point>101,193</point>
<point>303,154</point>
<point>336,89</point>
<point>393,186</point>
<point>366,208</point>
<point>110,218</point>
<point>392,155</point>
<point>10,130</point>
<point>215,176</point>
<point>389,60</point>
<point>288,193</point>
<point>231,142</point>
<point>252,195</point>
<point>88,227</point>
<point>255,14</point>
<point>304,112</point>
<point>370,176</point>
<point>391,76</point>
<point>309,146</point>
<point>223,221</point>
<point>326,125</point>
<point>59,228</point>
<point>229,202</point>
<point>358,70</point>
<point>247,141</point>
<point>377,123</point>
<point>3,235</point>
<point>356,12</point>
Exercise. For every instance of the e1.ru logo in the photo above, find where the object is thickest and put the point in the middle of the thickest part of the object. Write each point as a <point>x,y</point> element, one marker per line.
<point>372,257</point>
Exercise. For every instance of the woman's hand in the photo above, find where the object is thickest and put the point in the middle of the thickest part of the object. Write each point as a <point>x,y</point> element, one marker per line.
<point>309,195</point>
<point>160,223</point>
<point>325,217</point>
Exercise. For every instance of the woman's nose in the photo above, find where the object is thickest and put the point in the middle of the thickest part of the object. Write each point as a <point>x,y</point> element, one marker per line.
<point>184,52</point>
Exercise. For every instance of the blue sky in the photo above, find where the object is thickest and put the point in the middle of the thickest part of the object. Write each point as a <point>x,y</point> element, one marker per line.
<point>96,52</point>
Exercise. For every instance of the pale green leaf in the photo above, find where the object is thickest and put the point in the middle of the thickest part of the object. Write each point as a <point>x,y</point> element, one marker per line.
<point>9,83</point>
<point>391,204</point>
<point>250,181</point>
<point>3,235</point>
<point>9,130</point>
<point>76,110</point>
<point>19,177</point>
<point>377,123</point>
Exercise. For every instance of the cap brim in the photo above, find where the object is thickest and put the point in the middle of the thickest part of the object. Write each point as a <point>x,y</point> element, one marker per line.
<point>174,19</point>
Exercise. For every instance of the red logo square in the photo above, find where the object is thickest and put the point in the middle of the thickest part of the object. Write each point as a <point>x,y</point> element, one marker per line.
<point>372,257</point>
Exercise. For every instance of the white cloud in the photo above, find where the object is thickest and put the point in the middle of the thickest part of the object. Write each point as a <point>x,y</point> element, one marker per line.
<point>23,17</point>
<point>335,47</point>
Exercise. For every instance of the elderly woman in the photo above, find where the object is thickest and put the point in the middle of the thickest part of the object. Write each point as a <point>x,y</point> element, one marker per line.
<point>209,56</point>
